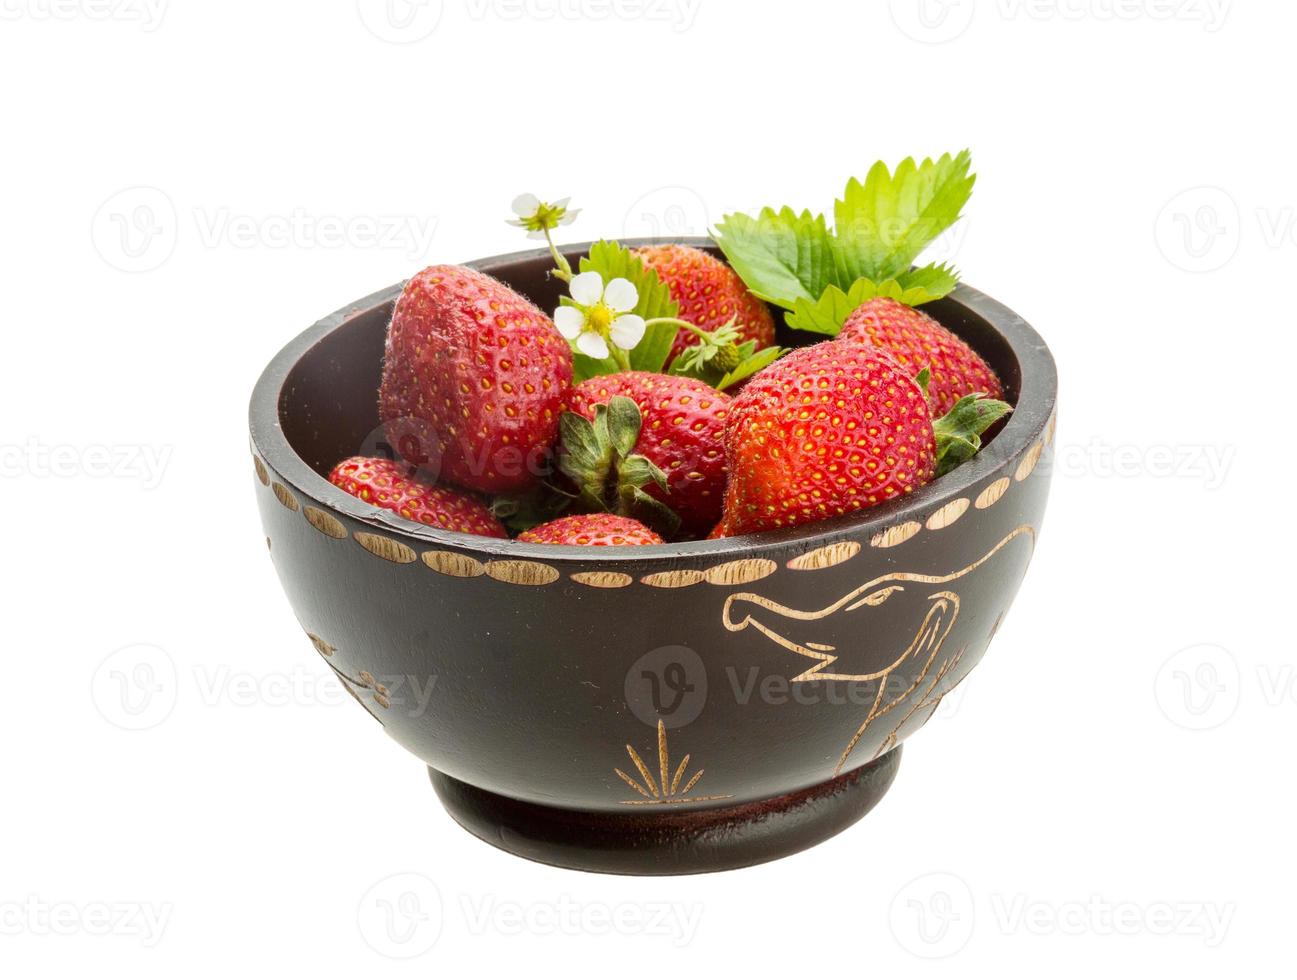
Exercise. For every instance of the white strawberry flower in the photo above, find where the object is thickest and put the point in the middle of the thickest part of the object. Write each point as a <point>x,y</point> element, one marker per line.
<point>538,217</point>
<point>600,314</point>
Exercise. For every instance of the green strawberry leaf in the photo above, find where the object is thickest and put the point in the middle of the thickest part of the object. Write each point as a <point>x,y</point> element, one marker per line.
<point>882,225</point>
<point>651,511</point>
<point>613,260</point>
<point>780,255</point>
<point>585,367</point>
<point>827,314</point>
<point>959,431</point>
<point>751,365</point>
<point>926,283</point>
<point>830,311</point>
<point>532,509</point>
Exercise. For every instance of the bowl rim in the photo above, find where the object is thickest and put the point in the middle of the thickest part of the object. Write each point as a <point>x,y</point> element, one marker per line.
<point>1034,409</point>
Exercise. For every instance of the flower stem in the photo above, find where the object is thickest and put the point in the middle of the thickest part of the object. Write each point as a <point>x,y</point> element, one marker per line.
<point>676,322</point>
<point>564,269</point>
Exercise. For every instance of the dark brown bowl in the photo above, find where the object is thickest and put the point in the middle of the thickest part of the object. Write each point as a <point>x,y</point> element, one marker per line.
<point>656,710</point>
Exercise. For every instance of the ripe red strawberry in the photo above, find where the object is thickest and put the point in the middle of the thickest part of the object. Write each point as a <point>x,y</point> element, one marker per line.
<point>919,341</point>
<point>827,430</point>
<point>383,483</point>
<point>836,428</point>
<point>483,369</point>
<point>591,529</point>
<point>682,424</point>
<point>710,294</point>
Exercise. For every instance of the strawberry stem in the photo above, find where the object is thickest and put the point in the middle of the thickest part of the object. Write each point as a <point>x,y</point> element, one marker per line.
<point>959,431</point>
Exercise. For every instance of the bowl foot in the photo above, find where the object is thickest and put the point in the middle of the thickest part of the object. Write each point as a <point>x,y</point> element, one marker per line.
<point>669,842</point>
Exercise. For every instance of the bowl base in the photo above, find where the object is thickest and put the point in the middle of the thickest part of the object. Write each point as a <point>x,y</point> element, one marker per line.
<point>669,842</point>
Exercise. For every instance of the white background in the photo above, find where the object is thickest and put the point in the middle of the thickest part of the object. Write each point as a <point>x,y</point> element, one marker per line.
<point>1094,798</point>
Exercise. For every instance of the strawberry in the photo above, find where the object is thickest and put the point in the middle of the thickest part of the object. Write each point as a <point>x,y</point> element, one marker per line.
<point>483,369</point>
<point>836,428</point>
<point>710,295</point>
<point>591,529</point>
<point>383,483</point>
<point>682,422</point>
<point>918,341</point>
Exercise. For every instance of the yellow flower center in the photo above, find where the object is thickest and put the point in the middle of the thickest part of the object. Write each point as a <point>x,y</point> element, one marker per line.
<point>600,319</point>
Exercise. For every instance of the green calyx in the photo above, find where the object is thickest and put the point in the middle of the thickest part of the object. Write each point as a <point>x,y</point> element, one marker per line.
<point>719,359</point>
<point>599,458</point>
<point>959,431</point>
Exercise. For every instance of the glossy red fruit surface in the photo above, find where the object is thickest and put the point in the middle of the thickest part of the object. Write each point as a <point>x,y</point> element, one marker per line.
<point>591,529</point>
<point>483,369</point>
<point>384,483</point>
<point>827,430</point>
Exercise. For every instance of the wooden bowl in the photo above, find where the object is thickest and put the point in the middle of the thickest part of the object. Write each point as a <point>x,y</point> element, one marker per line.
<point>657,710</point>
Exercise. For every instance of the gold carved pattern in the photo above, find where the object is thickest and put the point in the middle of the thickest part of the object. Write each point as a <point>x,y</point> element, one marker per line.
<point>896,535</point>
<point>385,548</point>
<point>825,557</point>
<point>922,652</point>
<point>325,523</point>
<point>666,789</point>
